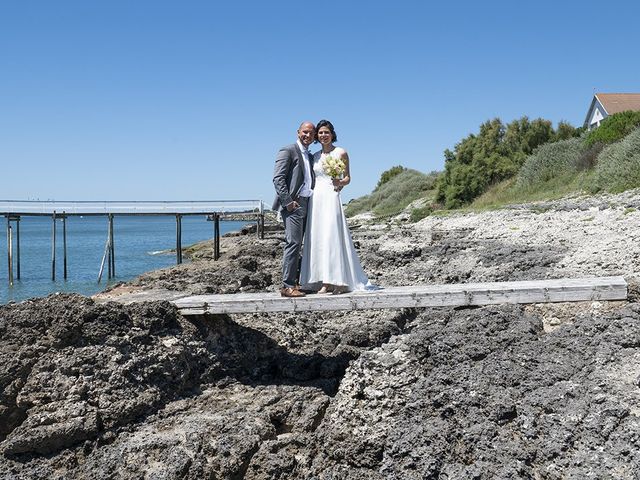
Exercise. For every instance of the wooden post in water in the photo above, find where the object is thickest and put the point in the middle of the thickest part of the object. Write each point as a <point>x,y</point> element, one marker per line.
<point>216,236</point>
<point>261,222</point>
<point>109,227</point>
<point>64,242</point>
<point>53,247</point>
<point>107,249</point>
<point>10,251</point>
<point>17,219</point>
<point>212,217</point>
<point>113,246</point>
<point>178,239</point>
<point>108,246</point>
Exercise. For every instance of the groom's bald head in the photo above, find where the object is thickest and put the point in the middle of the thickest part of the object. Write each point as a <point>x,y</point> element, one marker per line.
<point>306,133</point>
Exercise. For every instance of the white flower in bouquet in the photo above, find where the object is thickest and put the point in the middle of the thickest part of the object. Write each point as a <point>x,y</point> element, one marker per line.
<point>333,166</point>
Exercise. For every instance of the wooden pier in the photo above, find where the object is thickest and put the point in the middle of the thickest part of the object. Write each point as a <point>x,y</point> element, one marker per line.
<point>214,210</point>
<point>455,295</point>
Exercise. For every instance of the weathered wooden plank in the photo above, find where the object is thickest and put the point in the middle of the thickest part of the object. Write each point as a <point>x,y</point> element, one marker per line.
<point>536,291</point>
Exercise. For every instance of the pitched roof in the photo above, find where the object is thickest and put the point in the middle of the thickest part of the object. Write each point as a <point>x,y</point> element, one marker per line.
<point>619,102</point>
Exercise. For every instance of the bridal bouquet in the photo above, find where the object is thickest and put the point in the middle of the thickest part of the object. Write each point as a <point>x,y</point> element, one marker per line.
<point>334,167</point>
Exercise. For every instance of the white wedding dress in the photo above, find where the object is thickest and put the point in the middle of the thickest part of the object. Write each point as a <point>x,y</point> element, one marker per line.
<point>328,253</point>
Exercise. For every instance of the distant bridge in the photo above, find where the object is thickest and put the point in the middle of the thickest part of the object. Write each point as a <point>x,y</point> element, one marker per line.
<point>215,210</point>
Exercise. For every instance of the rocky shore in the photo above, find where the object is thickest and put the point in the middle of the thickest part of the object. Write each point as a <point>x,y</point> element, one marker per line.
<point>90,389</point>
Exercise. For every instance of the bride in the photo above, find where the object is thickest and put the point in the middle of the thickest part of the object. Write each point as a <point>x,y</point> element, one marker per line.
<point>329,258</point>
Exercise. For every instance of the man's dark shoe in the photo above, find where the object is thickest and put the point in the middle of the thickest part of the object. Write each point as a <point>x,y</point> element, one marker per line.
<point>291,292</point>
<point>303,290</point>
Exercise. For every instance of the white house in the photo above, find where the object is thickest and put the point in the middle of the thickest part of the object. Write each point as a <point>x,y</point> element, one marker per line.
<point>605,104</point>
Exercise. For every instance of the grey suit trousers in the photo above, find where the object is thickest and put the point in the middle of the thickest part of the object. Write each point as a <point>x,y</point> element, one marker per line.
<point>294,225</point>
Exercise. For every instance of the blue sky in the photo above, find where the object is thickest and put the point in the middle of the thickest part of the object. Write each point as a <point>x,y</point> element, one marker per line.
<point>190,100</point>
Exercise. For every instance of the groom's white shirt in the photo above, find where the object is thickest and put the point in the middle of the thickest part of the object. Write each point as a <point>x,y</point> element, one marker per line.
<point>306,191</point>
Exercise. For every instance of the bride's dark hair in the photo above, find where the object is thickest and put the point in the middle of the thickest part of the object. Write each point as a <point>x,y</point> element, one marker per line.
<point>329,125</point>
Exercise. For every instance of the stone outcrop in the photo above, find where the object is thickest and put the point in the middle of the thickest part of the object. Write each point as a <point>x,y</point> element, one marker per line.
<point>104,390</point>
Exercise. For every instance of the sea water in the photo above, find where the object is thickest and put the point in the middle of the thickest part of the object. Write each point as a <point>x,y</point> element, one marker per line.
<point>142,244</point>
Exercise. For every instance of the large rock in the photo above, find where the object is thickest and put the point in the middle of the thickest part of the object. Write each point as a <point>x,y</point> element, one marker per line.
<point>113,391</point>
<point>548,391</point>
<point>486,393</point>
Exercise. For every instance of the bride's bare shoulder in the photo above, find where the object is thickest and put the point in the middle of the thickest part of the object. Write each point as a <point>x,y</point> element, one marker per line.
<point>341,151</point>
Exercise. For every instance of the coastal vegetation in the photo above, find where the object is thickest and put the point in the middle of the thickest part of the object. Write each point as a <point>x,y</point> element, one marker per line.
<point>518,162</point>
<point>495,153</point>
<point>618,166</point>
<point>389,174</point>
<point>614,128</point>
<point>572,166</point>
<point>396,190</point>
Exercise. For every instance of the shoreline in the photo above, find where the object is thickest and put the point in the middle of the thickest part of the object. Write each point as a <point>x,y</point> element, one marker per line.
<point>521,242</point>
<point>136,238</point>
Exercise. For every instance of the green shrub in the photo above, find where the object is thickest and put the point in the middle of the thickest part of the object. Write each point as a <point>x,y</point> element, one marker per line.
<point>550,161</point>
<point>618,166</point>
<point>418,214</point>
<point>565,131</point>
<point>589,157</point>
<point>389,174</point>
<point>465,185</point>
<point>395,195</point>
<point>494,154</point>
<point>614,128</point>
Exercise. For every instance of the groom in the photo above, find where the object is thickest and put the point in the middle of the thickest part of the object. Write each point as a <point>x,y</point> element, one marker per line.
<point>294,180</point>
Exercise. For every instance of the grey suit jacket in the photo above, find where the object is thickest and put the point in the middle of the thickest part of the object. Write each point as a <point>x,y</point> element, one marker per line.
<point>288,175</point>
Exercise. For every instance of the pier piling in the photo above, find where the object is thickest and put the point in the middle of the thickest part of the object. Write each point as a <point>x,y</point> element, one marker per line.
<point>10,251</point>
<point>64,243</point>
<point>10,248</point>
<point>216,236</point>
<point>112,249</point>
<point>106,257</point>
<point>178,239</point>
<point>17,220</point>
<point>261,222</point>
<point>53,247</point>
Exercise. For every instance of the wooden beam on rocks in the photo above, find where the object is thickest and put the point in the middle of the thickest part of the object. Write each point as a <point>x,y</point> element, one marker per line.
<point>536,291</point>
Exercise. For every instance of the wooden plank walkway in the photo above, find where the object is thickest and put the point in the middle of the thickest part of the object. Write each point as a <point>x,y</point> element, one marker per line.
<point>537,291</point>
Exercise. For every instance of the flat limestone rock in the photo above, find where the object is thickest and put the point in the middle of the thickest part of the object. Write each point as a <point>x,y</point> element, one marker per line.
<point>127,294</point>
